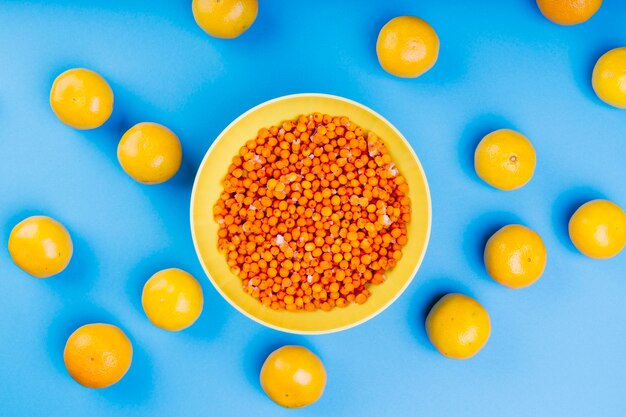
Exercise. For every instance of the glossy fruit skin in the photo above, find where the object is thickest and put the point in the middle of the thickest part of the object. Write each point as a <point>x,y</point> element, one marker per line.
<point>98,355</point>
<point>609,78</point>
<point>515,256</point>
<point>150,153</point>
<point>598,229</point>
<point>407,47</point>
<point>172,299</point>
<point>293,377</point>
<point>458,326</point>
<point>81,98</point>
<point>505,159</point>
<point>225,19</point>
<point>41,246</point>
<point>568,12</point>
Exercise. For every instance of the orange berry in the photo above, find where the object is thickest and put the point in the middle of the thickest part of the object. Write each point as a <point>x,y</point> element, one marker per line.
<point>307,217</point>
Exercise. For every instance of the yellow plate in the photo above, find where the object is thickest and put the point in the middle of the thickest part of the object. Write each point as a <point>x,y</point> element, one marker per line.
<point>207,188</point>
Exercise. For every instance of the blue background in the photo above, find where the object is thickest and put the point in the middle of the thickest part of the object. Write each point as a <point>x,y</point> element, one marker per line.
<point>557,348</point>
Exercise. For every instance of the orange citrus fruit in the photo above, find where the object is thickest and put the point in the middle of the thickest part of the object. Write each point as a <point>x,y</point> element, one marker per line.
<point>293,376</point>
<point>225,18</point>
<point>40,246</point>
<point>568,12</point>
<point>98,355</point>
<point>150,153</point>
<point>458,326</point>
<point>515,256</point>
<point>598,229</point>
<point>172,299</point>
<point>505,159</point>
<point>81,98</point>
<point>609,78</point>
<point>407,46</point>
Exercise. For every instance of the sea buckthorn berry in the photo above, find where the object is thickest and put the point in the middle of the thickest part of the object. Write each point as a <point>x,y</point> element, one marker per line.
<point>313,212</point>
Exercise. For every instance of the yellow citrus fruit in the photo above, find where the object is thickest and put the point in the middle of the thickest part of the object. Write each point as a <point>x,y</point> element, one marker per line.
<point>609,77</point>
<point>150,153</point>
<point>98,355</point>
<point>225,18</point>
<point>172,299</point>
<point>293,376</point>
<point>458,326</point>
<point>505,159</point>
<point>81,98</point>
<point>598,229</point>
<point>568,12</point>
<point>407,46</point>
<point>515,256</point>
<point>40,246</point>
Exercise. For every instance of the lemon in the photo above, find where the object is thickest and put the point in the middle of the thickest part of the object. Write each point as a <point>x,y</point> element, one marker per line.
<point>598,229</point>
<point>407,46</point>
<point>458,326</point>
<point>150,153</point>
<point>40,246</point>
<point>515,256</point>
<point>172,299</point>
<point>293,376</point>
<point>609,78</point>
<point>225,18</point>
<point>81,98</point>
<point>505,159</point>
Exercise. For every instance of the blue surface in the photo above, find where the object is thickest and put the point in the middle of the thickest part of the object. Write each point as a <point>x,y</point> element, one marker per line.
<point>557,348</point>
